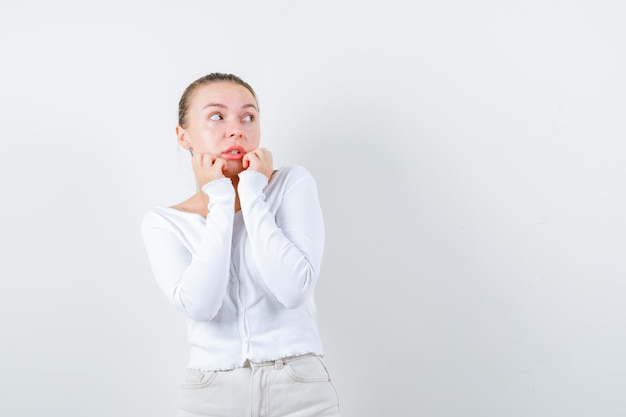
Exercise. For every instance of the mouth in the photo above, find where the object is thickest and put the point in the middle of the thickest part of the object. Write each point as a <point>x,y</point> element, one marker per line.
<point>234,152</point>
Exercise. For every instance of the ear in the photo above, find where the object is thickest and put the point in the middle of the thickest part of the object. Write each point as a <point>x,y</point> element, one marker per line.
<point>183,138</point>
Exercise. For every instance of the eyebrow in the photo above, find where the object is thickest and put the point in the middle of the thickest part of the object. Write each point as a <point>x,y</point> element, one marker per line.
<point>245,106</point>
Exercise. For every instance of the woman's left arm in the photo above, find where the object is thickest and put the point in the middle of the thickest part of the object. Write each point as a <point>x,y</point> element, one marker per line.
<point>287,247</point>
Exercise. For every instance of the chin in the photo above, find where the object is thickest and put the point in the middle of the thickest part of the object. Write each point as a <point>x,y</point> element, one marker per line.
<point>233,168</point>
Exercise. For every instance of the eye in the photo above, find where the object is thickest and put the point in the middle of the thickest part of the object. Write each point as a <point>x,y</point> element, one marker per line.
<point>248,118</point>
<point>216,116</point>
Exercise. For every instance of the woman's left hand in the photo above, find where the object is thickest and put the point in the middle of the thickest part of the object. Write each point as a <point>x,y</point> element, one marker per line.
<point>259,160</point>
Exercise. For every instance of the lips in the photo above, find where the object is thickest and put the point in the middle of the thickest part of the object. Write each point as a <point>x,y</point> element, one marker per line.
<point>233,152</point>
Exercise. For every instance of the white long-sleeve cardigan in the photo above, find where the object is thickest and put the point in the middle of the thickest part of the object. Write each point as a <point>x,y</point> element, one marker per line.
<point>245,280</point>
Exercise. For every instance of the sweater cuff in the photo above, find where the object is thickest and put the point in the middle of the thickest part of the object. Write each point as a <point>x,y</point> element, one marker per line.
<point>217,186</point>
<point>220,191</point>
<point>252,181</point>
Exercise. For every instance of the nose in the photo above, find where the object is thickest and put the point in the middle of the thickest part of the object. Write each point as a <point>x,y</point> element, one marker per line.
<point>234,130</point>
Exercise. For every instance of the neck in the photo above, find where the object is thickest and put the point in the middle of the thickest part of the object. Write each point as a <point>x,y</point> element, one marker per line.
<point>235,181</point>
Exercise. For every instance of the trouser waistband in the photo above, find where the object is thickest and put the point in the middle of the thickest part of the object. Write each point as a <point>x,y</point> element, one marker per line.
<point>278,363</point>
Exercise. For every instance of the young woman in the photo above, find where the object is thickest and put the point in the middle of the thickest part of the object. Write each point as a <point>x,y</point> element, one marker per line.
<point>240,259</point>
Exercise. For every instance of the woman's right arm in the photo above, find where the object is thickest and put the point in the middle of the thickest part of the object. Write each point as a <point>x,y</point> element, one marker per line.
<point>195,282</point>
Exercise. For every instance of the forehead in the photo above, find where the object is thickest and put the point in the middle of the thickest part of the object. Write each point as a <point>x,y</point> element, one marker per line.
<point>222,92</point>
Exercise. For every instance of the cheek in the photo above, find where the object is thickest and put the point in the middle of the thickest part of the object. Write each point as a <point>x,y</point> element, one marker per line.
<point>255,137</point>
<point>206,140</point>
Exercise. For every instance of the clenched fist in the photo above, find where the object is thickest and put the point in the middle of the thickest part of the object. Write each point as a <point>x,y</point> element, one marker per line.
<point>207,168</point>
<point>259,160</point>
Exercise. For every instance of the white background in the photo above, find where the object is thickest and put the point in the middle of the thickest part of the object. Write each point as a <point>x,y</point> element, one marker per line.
<point>470,163</point>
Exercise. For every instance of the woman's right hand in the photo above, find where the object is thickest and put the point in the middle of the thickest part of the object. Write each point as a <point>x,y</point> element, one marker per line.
<point>207,168</point>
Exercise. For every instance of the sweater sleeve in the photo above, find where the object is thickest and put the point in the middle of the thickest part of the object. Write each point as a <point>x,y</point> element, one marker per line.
<point>195,282</point>
<point>288,246</point>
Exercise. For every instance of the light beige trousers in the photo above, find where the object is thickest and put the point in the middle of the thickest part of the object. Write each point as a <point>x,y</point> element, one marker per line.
<point>295,387</point>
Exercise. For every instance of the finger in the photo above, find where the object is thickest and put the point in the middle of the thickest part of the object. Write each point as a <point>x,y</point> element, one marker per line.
<point>255,154</point>
<point>220,164</point>
<point>207,160</point>
<point>267,154</point>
